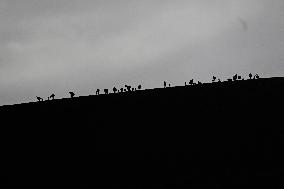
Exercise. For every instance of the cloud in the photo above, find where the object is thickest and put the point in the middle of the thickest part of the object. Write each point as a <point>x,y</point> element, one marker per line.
<point>74,40</point>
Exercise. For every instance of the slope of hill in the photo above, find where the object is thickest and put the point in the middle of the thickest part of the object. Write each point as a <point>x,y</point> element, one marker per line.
<point>219,134</point>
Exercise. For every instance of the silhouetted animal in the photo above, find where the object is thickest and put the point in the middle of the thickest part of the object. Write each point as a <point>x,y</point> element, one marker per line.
<point>214,79</point>
<point>72,94</point>
<point>97,91</point>
<point>165,84</point>
<point>139,87</point>
<point>39,98</point>
<point>235,77</point>
<point>128,87</point>
<point>52,96</point>
<point>106,91</point>
<point>114,90</point>
<point>250,76</point>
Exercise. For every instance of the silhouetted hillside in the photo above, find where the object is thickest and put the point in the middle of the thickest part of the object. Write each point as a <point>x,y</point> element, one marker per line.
<point>225,134</point>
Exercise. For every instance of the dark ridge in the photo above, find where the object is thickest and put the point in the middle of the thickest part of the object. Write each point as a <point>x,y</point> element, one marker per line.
<point>225,135</point>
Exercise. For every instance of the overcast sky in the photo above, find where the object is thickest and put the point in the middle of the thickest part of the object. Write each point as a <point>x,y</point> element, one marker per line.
<point>57,46</point>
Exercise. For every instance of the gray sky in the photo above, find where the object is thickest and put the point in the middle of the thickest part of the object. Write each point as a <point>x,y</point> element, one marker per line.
<point>57,46</point>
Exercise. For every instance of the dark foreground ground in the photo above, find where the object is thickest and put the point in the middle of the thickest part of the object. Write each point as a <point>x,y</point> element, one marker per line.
<point>227,135</point>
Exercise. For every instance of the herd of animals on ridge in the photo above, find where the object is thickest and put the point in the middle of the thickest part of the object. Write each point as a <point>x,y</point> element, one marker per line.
<point>131,89</point>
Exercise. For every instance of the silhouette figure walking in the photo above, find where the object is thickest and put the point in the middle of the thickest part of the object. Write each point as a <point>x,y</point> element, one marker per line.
<point>72,94</point>
<point>52,96</point>
<point>39,98</point>
<point>97,91</point>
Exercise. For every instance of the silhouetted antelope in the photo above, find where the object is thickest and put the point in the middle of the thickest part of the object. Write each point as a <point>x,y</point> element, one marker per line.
<point>106,91</point>
<point>97,91</point>
<point>235,77</point>
<point>72,94</point>
<point>128,87</point>
<point>52,96</point>
<point>114,90</point>
<point>250,75</point>
<point>39,98</point>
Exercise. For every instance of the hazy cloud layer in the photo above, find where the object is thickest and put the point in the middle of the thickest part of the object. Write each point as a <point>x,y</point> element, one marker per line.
<point>56,46</point>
